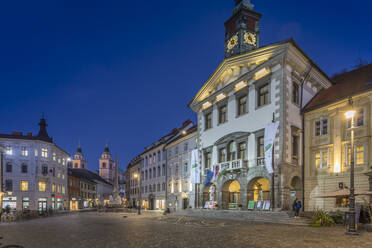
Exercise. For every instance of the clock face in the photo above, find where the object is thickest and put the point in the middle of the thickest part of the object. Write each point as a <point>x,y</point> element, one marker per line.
<point>250,39</point>
<point>232,42</point>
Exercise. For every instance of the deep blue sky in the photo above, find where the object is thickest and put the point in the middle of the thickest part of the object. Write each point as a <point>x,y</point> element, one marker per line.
<point>125,70</point>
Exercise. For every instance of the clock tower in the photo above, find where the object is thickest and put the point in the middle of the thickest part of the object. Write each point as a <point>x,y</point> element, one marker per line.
<point>242,29</point>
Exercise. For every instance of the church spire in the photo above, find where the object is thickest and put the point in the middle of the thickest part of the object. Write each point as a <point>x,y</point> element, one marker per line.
<point>79,150</point>
<point>43,134</point>
<point>107,147</point>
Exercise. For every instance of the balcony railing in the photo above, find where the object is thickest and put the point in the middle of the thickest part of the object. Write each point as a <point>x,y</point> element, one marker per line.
<point>232,165</point>
<point>260,161</point>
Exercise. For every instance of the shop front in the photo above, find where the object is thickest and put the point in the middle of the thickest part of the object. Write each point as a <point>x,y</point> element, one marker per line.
<point>42,205</point>
<point>74,204</point>
<point>10,202</point>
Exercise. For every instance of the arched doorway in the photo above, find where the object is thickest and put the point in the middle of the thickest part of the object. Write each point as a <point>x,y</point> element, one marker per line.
<point>209,193</point>
<point>259,190</point>
<point>296,189</point>
<point>231,195</point>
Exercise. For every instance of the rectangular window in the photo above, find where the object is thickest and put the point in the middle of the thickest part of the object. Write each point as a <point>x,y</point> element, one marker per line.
<point>358,155</point>
<point>242,150</point>
<point>44,170</point>
<point>242,105</point>
<point>207,160</point>
<point>44,152</point>
<point>186,147</point>
<point>222,155</point>
<point>359,119</point>
<point>24,185</point>
<point>296,94</point>
<point>8,167</point>
<point>321,159</point>
<point>222,114</point>
<point>54,156</point>
<point>24,168</point>
<point>8,185</point>
<point>53,187</point>
<point>42,187</point>
<point>295,147</point>
<point>36,153</point>
<point>208,121</point>
<point>263,95</point>
<point>260,147</point>
<point>9,150</point>
<point>321,127</point>
<point>24,151</point>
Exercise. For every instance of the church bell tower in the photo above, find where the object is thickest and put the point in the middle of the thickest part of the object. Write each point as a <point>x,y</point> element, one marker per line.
<point>242,29</point>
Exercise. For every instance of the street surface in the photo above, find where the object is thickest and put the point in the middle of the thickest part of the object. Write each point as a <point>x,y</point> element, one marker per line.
<point>154,230</point>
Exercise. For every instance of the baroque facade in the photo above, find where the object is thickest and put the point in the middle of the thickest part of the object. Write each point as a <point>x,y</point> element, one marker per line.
<point>34,172</point>
<point>252,87</point>
<point>327,141</point>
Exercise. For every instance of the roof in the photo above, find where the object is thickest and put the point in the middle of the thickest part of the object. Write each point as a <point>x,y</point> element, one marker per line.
<point>29,136</point>
<point>87,175</point>
<point>345,85</point>
<point>254,52</point>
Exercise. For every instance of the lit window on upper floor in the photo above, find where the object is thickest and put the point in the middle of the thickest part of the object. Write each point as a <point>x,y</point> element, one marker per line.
<point>44,152</point>
<point>9,150</point>
<point>24,151</point>
<point>54,156</point>
<point>36,153</point>
<point>321,159</point>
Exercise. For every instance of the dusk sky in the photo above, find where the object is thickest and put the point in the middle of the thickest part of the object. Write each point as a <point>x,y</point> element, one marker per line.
<point>124,71</point>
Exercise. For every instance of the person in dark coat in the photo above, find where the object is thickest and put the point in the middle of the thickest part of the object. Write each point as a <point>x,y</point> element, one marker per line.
<point>296,206</point>
<point>299,206</point>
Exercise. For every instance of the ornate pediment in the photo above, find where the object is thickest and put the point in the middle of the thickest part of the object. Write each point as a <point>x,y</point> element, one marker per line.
<point>235,68</point>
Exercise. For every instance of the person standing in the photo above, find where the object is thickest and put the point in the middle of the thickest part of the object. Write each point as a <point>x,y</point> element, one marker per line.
<point>295,207</point>
<point>299,206</point>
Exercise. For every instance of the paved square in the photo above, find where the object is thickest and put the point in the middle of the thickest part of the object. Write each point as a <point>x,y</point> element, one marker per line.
<point>149,230</point>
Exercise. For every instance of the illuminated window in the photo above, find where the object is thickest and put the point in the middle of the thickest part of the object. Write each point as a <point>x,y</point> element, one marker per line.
<point>24,151</point>
<point>54,156</point>
<point>24,186</point>
<point>321,159</point>
<point>36,153</point>
<point>63,161</point>
<point>53,187</point>
<point>59,188</point>
<point>42,186</point>
<point>9,150</point>
<point>44,152</point>
<point>358,155</point>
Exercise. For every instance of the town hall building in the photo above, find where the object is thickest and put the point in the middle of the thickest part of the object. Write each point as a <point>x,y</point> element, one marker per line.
<point>254,86</point>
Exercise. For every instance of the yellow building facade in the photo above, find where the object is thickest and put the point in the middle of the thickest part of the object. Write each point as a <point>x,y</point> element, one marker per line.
<point>327,144</point>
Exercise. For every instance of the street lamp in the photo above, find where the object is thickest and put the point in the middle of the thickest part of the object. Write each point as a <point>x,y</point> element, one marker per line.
<point>350,114</point>
<point>138,177</point>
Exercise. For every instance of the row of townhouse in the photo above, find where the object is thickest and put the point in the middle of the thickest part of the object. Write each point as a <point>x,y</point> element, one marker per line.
<point>252,91</point>
<point>160,176</point>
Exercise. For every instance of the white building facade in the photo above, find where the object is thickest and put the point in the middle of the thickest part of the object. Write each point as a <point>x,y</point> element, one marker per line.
<point>34,172</point>
<point>251,88</point>
<point>181,194</point>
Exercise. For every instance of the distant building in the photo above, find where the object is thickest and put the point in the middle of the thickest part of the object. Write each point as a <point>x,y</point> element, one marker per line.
<point>74,195</point>
<point>79,161</point>
<point>132,188</point>
<point>34,172</point>
<point>181,193</point>
<point>327,142</point>
<point>107,166</point>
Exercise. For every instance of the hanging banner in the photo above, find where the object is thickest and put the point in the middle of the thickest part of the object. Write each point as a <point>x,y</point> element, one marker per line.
<point>269,139</point>
<point>195,167</point>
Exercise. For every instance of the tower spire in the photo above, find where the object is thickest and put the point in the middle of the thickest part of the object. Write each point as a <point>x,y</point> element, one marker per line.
<point>79,150</point>
<point>107,147</point>
<point>43,134</point>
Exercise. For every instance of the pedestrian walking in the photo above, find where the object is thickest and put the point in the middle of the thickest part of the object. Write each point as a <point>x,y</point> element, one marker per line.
<point>294,207</point>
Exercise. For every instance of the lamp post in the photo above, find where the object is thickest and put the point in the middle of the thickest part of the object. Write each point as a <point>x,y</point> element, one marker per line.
<point>138,176</point>
<point>351,230</point>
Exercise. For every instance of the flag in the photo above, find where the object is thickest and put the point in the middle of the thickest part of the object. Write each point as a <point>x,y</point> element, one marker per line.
<point>208,178</point>
<point>269,139</point>
<point>216,170</point>
<point>195,167</point>
<point>220,175</point>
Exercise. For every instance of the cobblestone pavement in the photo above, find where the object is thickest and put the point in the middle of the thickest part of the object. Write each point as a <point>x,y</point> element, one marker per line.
<point>154,230</point>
